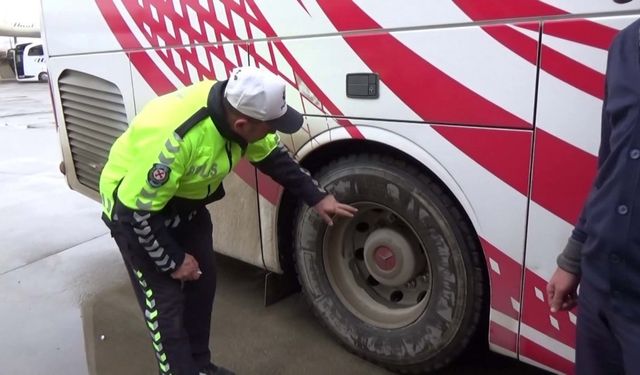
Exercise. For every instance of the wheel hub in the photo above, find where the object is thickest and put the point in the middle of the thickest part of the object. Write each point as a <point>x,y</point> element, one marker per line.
<point>390,258</point>
<point>385,258</point>
<point>378,266</point>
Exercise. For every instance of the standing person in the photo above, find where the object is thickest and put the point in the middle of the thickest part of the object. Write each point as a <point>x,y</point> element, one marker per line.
<point>160,175</point>
<point>603,252</point>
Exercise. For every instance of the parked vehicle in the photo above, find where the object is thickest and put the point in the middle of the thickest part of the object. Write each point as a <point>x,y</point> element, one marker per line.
<point>29,62</point>
<point>466,133</point>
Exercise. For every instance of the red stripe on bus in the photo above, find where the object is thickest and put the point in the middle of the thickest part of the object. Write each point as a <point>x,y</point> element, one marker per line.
<point>553,62</point>
<point>264,25</point>
<point>482,10</point>
<point>556,64</point>
<point>505,153</point>
<point>537,314</point>
<point>562,176</point>
<point>503,337</point>
<point>582,31</point>
<point>517,42</point>
<point>246,172</point>
<point>546,357</point>
<point>269,189</point>
<point>504,276</point>
<point>572,72</point>
<point>153,76</point>
<point>145,66</point>
<point>435,96</point>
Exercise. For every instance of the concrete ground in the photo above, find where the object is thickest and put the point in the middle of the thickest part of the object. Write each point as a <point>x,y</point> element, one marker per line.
<point>66,306</point>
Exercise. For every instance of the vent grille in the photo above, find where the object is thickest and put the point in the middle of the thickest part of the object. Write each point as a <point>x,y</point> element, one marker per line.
<point>94,115</point>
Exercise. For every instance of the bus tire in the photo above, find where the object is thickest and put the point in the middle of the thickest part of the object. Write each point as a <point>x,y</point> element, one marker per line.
<point>401,283</point>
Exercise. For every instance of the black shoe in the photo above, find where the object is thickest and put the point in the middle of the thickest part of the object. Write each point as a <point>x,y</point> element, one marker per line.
<point>212,369</point>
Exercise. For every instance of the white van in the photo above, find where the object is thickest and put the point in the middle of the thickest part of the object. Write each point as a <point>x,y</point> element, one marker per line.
<point>29,62</point>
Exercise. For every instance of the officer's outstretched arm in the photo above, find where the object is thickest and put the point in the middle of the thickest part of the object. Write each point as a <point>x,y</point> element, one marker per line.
<point>273,159</point>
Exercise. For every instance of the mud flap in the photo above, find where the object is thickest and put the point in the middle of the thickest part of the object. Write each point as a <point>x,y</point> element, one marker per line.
<point>278,287</point>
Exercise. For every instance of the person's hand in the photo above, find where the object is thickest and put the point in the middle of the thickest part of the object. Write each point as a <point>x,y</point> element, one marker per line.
<point>189,270</point>
<point>562,290</point>
<point>330,206</point>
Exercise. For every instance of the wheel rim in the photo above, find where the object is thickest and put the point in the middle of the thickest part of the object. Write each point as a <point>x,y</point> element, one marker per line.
<point>378,266</point>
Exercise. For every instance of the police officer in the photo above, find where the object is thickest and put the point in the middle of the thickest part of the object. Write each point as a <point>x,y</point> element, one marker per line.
<point>162,172</point>
<point>603,252</point>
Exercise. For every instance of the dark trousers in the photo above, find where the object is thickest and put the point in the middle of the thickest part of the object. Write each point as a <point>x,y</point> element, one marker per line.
<point>607,343</point>
<point>177,314</point>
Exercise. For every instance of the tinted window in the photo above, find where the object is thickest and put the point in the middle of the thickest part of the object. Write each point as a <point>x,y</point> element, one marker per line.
<point>36,51</point>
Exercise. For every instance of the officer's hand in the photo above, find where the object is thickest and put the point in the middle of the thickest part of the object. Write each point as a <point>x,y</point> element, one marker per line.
<point>330,206</point>
<point>189,270</point>
<point>562,290</point>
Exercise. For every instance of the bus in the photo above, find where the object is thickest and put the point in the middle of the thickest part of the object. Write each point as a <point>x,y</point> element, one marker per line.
<point>465,131</point>
<point>29,62</point>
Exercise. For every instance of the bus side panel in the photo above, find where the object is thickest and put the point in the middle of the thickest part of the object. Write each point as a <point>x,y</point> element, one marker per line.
<point>295,18</point>
<point>477,147</point>
<point>76,27</point>
<point>458,76</point>
<point>116,72</point>
<point>571,90</point>
<point>322,91</point>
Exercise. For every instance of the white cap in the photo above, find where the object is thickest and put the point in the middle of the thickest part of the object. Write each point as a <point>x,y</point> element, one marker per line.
<point>260,94</point>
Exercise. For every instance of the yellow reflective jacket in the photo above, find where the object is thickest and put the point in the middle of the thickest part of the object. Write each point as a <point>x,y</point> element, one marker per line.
<point>155,160</point>
<point>172,160</point>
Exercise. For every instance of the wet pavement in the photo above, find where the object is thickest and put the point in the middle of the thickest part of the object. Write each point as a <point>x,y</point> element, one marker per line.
<point>66,306</point>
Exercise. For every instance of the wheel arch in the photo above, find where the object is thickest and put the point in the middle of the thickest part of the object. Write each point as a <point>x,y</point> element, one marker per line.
<point>335,143</point>
<point>329,146</point>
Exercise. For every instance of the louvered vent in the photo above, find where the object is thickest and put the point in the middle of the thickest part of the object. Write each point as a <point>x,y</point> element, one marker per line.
<point>95,116</point>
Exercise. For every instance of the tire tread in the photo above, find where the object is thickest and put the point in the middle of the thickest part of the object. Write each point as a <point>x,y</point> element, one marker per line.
<point>467,233</point>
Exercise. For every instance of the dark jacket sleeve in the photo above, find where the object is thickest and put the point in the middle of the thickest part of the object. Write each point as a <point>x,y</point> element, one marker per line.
<point>286,171</point>
<point>569,259</point>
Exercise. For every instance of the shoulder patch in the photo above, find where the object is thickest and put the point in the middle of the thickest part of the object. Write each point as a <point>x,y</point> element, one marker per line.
<point>158,175</point>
